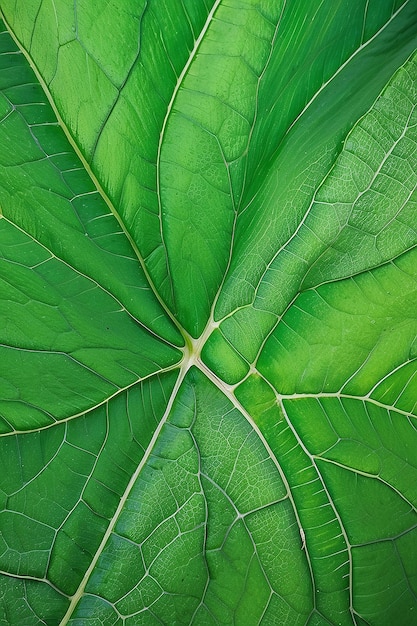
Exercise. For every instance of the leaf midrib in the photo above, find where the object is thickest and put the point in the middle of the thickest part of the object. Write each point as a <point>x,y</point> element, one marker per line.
<point>176,89</point>
<point>98,186</point>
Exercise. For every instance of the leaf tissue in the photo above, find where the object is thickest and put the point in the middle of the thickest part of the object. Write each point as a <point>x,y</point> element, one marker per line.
<point>208,281</point>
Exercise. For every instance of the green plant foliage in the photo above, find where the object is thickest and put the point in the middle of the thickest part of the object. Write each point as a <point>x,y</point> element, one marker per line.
<point>208,282</point>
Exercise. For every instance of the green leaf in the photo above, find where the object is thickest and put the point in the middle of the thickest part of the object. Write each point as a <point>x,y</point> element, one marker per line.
<point>208,296</point>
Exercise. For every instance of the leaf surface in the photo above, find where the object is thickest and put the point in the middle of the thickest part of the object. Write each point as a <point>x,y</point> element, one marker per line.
<point>208,287</point>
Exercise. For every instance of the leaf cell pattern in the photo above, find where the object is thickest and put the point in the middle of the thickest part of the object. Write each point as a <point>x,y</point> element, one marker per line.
<point>208,312</point>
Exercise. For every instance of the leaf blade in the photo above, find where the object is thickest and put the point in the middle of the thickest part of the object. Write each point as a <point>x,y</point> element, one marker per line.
<point>232,461</point>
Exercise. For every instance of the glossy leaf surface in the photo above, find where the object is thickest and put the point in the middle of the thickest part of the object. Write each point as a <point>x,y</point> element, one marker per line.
<point>208,283</point>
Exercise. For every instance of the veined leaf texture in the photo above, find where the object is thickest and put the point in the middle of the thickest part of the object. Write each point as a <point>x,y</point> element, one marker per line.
<point>208,307</point>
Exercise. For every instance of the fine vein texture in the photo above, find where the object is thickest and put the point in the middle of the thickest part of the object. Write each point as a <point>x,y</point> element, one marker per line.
<point>208,306</point>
